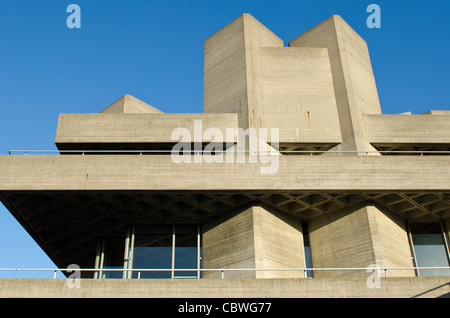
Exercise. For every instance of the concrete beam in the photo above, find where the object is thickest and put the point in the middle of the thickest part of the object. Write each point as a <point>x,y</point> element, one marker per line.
<point>408,129</point>
<point>134,172</point>
<point>396,287</point>
<point>136,128</point>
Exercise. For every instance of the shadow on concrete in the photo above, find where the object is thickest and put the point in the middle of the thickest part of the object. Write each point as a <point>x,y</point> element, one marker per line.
<point>445,295</point>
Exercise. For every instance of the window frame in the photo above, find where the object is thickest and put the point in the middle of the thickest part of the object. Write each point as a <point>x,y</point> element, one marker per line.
<point>128,257</point>
<point>445,239</point>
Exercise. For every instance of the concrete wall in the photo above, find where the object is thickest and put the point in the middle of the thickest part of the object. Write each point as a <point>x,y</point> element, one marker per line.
<point>438,112</point>
<point>278,242</point>
<point>254,238</point>
<point>311,173</point>
<point>411,129</point>
<point>230,244</point>
<point>249,72</point>
<point>137,128</point>
<point>228,74</point>
<point>298,95</point>
<point>354,82</point>
<point>390,241</point>
<point>419,287</point>
<point>358,239</point>
<point>225,71</point>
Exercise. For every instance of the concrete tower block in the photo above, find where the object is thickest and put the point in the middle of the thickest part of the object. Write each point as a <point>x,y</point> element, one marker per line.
<point>248,71</point>
<point>231,72</point>
<point>254,238</point>
<point>354,82</point>
<point>358,239</point>
<point>298,94</point>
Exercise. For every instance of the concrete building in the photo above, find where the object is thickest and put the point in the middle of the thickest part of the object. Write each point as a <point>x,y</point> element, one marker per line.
<point>292,183</point>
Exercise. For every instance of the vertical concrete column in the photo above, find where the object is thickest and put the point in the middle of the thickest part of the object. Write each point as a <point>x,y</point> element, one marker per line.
<point>359,238</point>
<point>354,82</point>
<point>278,243</point>
<point>228,242</point>
<point>254,238</point>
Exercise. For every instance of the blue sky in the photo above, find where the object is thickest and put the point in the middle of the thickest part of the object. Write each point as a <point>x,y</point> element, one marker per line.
<point>153,50</point>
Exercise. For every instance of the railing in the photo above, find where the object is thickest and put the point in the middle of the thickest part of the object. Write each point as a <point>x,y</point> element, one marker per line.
<point>223,270</point>
<point>197,152</point>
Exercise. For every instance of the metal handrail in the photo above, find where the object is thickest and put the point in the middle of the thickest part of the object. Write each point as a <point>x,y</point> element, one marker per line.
<point>223,270</point>
<point>194,152</point>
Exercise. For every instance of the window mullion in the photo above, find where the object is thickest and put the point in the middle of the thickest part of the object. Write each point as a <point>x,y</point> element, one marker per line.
<point>198,250</point>
<point>444,238</point>
<point>173,251</point>
<point>131,251</point>
<point>126,254</point>
<point>413,250</point>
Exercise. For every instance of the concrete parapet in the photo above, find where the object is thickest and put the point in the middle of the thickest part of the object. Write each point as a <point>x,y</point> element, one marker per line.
<point>391,287</point>
<point>301,173</point>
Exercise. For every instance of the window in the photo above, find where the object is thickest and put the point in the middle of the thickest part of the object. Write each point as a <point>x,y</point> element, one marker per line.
<point>152,250</point>
<point>307,248</point>
<point>187,249</point>
<point>110,256</point>
<point>429,247</point>
<point>152,246</point>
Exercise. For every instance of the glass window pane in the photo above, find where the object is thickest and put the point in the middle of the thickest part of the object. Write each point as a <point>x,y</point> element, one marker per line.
<point>429,247</point>
<point>307,248</point>
<point>153,250</point>
<point>186,249</point>
<point>113,257</point>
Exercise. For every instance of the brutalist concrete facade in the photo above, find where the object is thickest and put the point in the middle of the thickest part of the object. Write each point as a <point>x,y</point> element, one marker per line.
<point>345,182</point>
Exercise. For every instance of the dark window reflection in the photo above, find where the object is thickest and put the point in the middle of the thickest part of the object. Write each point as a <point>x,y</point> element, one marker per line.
<point>185,249</point>
<point>113,256</point>
<point>154,246</point>
<point>429,247</point>
<point>307,247</point>
<point>153,250</point>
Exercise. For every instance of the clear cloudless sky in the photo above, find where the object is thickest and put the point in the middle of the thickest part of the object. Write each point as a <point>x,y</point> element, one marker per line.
<point>153,50</point>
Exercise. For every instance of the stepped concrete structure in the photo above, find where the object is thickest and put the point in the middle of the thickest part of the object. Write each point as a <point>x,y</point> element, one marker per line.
<point>292,183</point>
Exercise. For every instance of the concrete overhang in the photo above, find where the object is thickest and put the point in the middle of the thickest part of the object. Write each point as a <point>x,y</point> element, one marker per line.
<point>407,129</point>
<point>157,131</point>
<point>66,203</point>
<point>149,128</point>
<point>135,172</point>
